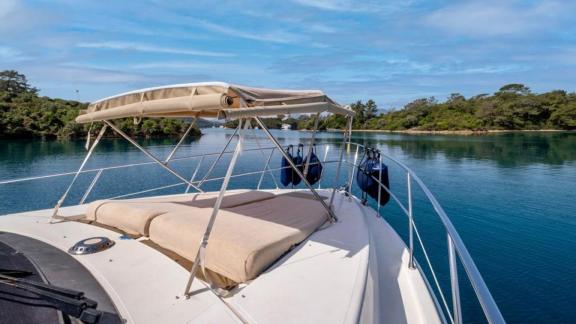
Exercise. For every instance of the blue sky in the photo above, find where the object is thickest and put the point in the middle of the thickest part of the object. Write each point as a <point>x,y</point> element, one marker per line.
<point>391,51</point>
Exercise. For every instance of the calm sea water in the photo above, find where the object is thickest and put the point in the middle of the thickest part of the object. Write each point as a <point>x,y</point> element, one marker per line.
<point>512,198</point>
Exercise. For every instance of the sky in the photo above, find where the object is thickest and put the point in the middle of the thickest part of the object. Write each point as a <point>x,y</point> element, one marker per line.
<point>390,51</point>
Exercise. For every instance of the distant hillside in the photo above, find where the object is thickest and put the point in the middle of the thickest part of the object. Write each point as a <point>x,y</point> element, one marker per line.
<point>513,107</point>
<point>24,114</point>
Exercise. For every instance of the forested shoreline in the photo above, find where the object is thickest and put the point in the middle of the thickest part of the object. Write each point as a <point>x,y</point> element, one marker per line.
<point>512,108</point>
<point>25,114</point>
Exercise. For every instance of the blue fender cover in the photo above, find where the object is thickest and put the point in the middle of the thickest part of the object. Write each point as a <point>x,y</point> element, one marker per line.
<point>383,178</point>
<point>286,171</point>
<point>370,169</point>
<point>363,174</point>
<point>314,169</point>
<point>298,162</point>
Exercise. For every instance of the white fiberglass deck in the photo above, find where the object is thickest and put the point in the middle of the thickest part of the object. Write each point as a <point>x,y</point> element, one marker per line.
<point>349,272</point>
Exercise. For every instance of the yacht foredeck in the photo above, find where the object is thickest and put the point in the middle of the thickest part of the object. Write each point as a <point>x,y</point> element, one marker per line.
<point>322,280</point>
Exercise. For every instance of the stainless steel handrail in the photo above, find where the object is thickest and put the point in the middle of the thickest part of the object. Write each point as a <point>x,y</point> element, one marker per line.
<point>456,246</point>
<point>122,166</point>
<point>489,306</point>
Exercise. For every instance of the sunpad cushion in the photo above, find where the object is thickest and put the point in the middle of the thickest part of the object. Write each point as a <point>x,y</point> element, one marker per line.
<point>245,239</point>
<point>134,216</point>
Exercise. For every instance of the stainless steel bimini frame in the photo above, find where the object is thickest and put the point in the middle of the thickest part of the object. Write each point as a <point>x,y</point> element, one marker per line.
<point>244,124</point>
<point>199,261</point>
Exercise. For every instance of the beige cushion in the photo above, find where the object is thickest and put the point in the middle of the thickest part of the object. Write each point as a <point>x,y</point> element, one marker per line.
<point>245,239</point>
<point>130,217</point>
<point>231,199</point>
<point>134,216</point>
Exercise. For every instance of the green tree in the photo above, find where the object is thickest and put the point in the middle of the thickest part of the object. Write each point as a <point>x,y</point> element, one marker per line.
<point>514,88</point>
<point>14,83</point>
<point>371,109</point>
<point>565,117</point>
<point>360,109</point>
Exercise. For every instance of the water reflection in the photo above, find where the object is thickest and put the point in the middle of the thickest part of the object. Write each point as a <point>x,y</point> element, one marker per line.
<point>27,150</point>
<point>508,150</point>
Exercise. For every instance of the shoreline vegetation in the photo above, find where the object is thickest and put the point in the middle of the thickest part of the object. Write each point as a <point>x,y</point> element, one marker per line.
<point>512,108</point>
<point>454,132</point>
<point>25,114</point>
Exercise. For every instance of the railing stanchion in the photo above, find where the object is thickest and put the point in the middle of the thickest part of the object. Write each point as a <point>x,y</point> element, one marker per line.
<point>323,162</point>
<point>379,185</point>
<point>410,221</point>
<point>351,176</point>
<point>457,310</point>
<point>92,184</point>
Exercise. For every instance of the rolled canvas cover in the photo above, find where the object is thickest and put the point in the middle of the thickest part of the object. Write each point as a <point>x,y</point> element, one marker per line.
<point>208,99</point>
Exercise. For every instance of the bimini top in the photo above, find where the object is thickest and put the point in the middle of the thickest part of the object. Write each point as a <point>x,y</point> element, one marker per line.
<point>209,99</point>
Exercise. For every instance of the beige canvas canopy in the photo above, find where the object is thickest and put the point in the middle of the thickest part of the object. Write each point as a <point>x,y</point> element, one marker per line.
<point>224,101</point>
<point>210,99</point>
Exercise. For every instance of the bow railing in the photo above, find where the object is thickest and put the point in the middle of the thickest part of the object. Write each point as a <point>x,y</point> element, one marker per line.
<point>457,251</point>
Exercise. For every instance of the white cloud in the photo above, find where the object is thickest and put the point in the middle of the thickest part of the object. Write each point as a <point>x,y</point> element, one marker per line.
<point>128,46</point>
<point>78,73</point>
<point>356,5</point>
<point>277,36</point>
<point>10,55</point>
<point>7,7</point>
<point>321,28</point>
<point>17,18</point>
<point>295,21</point>
<point>480,18</point>
<point>198,67</point>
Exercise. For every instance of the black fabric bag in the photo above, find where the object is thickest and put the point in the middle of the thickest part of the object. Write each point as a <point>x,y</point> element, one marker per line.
<point>314,167</point>
<point>370,169</point>
<point>380,172</point>
<point>286,171</point>
<point>298,162</point>
<point>364,172</point>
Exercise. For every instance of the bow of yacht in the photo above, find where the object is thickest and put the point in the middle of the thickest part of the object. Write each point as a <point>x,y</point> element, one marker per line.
<point>254,255</point>
<point>336,274</point>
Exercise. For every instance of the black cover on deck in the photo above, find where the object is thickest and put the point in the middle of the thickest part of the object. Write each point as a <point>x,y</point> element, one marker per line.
<point>17,305</point>
<point>49,265</point>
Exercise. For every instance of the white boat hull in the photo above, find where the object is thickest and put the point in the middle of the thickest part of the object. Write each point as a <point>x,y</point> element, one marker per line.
<point>353,271</point>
